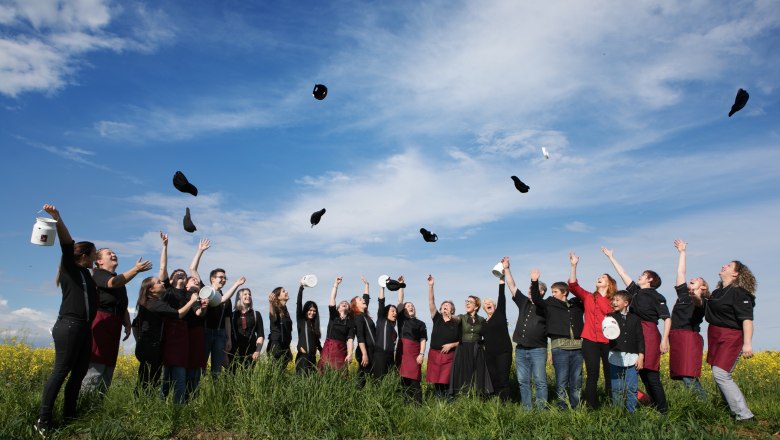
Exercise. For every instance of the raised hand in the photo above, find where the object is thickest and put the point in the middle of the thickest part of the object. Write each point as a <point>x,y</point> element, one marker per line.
<point>430,280</point>
<point>143,266</point>
<point>573,259</point>
<point>52,211</point>
<point>535,273</point>
<point>164,238</point>
<point>204,244</point>
<point>680,245</point>
<point>607,252</point>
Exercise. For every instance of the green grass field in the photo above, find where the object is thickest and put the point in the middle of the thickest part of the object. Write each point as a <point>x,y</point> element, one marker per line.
<point>267,403</point>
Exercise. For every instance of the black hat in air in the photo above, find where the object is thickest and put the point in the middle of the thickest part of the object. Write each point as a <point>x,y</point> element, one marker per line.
<point>395,285</point>
<point>319,92</point>
<point>428,235</point>
<point>316,217</point>
<point>188,225</point>
<point>182,184</point>
<point>522,187</point>
<point>739,101</point>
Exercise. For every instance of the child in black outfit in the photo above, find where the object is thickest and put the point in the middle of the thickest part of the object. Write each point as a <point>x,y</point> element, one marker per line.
<point>626,352</point>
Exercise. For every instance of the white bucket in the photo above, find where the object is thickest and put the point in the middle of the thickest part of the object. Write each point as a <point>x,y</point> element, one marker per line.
<point>610,328</point>
<point>498,270</point>
<point>210,294</point>
<point>44,231</point>
<point>309,281</point>
<point>383,280</point>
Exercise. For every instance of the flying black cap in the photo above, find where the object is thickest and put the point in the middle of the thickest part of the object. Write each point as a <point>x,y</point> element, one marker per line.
<point>182,184</point>
<point>428,235</point>
<point>395,285</point>
<point>522,187</point>
<point>188,225</point>
<point>316,217</point>
<point>739,101</point>
<point>319,92</point>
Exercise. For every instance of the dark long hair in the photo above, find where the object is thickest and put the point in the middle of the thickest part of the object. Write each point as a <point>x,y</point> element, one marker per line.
<point>313,323</point>
<point>143,292</point>
<point>80,249</point>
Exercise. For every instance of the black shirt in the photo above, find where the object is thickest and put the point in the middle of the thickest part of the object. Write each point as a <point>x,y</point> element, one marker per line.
<point>339,329</point>
<point>281,328</point>
<point>218,317</point>
<point>564,318</point>
<point>307,330</point>
<point>647,304</point>
<point>631,339</point>
<point>73,279</point>
<point>495,331</point>
<point>729,306</point>
<point>151,318</point>
<point>411,328</point>
<point>247,326</point>
<point>385,335</point>
<point>444,332</point>
<point>365,327</point>
<point>112,299</point>
<point>685,314</point>
<point>531,328</point>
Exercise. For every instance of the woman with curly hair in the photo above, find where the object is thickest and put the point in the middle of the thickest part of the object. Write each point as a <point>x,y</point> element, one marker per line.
<point>595,347</point>
<point>686,345</point>
<point>729,311</point>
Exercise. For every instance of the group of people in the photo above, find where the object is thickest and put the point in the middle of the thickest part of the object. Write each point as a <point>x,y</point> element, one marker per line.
<point>177,332</point>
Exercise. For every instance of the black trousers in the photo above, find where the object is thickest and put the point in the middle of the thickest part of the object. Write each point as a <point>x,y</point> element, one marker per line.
<point>72,348</point>
<point>364,372</point>
<point>305,362</point>
<point>594,353</point>
<point>652,381</point>
<point>282,355</point>
<point>149,366</point>
<point>412,389</point>
<point>499,365</point>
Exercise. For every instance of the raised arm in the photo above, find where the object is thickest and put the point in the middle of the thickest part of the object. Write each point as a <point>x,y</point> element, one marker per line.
<point>573,260</point>
<point>299,303</point>
<point>401,292</point>
<point>536,294</point>
<point>202,247</point>
<point>681,246</point>
<point>226,297</point>
<point>431,299</point>
<point>124,278</point>
<point>621,272</point>
<point>510,282</point>
<point>62,230</point>
<point>334,291</point>
<point>163,273</point>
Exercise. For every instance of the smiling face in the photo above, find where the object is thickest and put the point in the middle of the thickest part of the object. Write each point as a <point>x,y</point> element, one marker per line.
<point>602,281</point>
<point>728,273</point>
<point>696,285</point>
<point>283,295</point>
<point>157,288</point>
<point>489,306</point>
<point>471,305</point>
<point>245,296</point>
<point>311,313</point>
<point>218,280</point>
<point>343,308</point>
<point>193,285</point>
<point>619,303</point>
<point>446,310</point>
<point>179,279</point>
<point>107,259</point>
<point>361,303</point>
<point>409,309</point>
<point>392,313</point>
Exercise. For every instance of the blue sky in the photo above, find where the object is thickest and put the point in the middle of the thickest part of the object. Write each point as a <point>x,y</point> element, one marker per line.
<point>431,108</point>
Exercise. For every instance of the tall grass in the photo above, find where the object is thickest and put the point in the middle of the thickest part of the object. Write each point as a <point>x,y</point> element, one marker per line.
<point>269,402</point>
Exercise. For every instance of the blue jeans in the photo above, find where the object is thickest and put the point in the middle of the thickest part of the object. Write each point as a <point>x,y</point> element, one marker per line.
<point>215,347</point>
<point>625,382</point>
<point>568,375</point>
<point>693,384</point>
<point>176,378</point>
<point>530,364</point>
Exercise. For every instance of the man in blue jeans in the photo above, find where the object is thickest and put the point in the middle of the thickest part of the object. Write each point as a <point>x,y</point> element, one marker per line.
<point>531,338</point>
<point>217,332</point>
<point>564,327</point>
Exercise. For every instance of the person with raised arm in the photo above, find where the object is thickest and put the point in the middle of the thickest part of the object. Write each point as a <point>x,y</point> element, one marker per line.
<point>339,339</point>
<point>498,345</point>
<point>385,335</point>
<point>595,347</point>
<point>729,311</point>
<point>72,332</point>
<point>530,335</point>
<point>413,336</point>
<point>686,345</point>
<point>248,331</point>
<point>307,318</point>
<point>445,337</point>
<point>364,332</point>
<point>177,334</point>
<point>650,306</point>
<point>196,325</point>
<point>218,329</point>
<point>111,315</point>
<point>280,336</point>
<point>564,328</point>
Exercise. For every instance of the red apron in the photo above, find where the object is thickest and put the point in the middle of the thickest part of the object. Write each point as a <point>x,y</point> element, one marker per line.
<point>652,345</point>
<point>106,332</point>
<point>724,346</point>
<point>333,354</point>
<point>409,367</point>
<point>175,346</point>
<point>439,366</point>
<point>197,347</point>
<point>685,350</point>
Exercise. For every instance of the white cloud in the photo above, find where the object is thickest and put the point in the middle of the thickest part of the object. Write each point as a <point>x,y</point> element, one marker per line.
<point>578,226</point>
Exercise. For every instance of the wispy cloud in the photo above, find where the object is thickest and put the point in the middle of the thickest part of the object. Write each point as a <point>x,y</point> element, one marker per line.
<point>577,226</point>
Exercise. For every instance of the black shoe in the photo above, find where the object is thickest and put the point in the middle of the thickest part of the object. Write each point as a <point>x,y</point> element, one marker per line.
<point>748,420</point>
<point>42,428</point>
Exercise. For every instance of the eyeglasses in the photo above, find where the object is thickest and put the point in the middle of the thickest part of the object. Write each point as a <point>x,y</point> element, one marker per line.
<point>470,301</point>
<point>221,278</point>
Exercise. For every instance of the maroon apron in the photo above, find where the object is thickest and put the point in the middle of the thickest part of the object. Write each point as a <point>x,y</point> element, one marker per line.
<point>685,350</point>
<point>175,344</point>
<point>439,366</point>
<point>723,346</point>
<point>106,331</point>
<point>409,367</point>
<point>652,346</point>
<point>197,347</point>
<point>333,354</point>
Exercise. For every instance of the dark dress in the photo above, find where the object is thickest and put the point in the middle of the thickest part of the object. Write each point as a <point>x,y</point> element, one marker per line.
<point>308,338</point>
<point>385,337</point>
<point>280,337</point>
<point>246,328</point>
<point>469,369</point>
<point>498,347</point>
<point>364,328</point>
<point>148,346</point>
